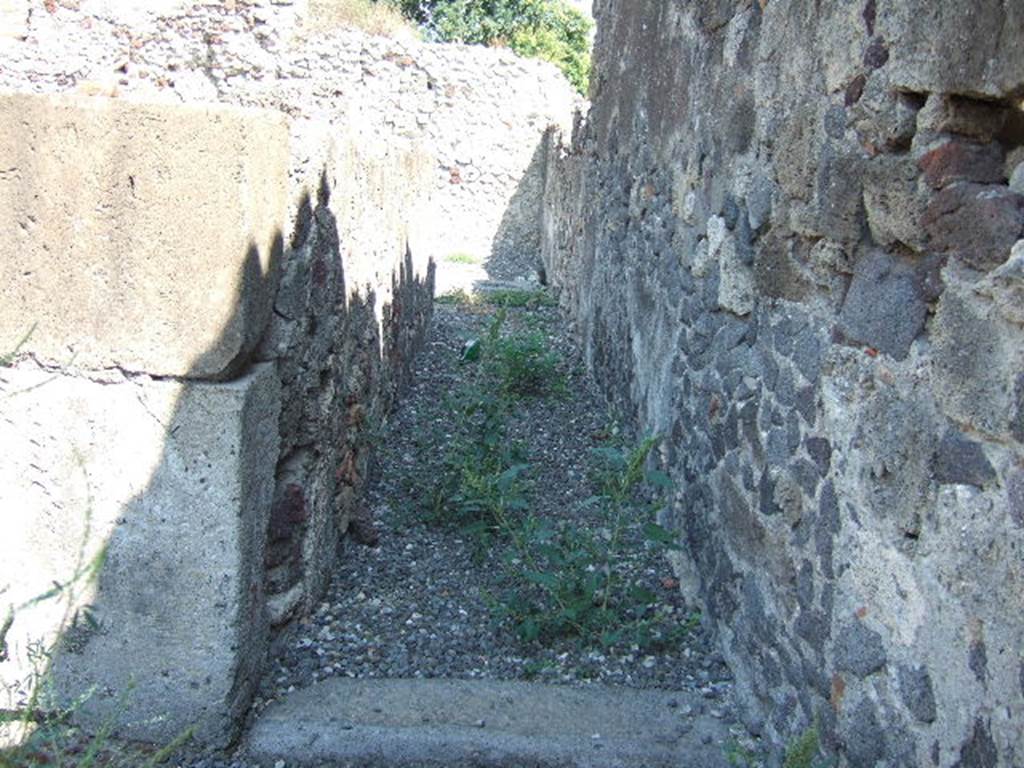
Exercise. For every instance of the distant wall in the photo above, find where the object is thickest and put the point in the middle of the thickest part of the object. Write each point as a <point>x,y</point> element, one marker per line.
<point>478,113</point>
<point>791,235</point>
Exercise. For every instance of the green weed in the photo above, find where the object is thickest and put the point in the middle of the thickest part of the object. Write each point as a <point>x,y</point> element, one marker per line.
<point>739,756</point>
<point>517,365</point>
<point>568,581</point>
<point>9,357</point>
<point>462,258</point>
<point>803,751</point>
<point>519,299</point>
<point>483,477</point>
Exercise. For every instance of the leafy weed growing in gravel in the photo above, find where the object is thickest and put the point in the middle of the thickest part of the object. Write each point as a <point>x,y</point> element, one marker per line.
<point>569,581</point>
<point>517,364</point>
<point>523,364</point>
<point>510,298</point>
<point>483,476</point>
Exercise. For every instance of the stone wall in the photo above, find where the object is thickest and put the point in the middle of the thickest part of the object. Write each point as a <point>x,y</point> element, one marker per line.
<point>790,234</point>
<point>473,118</point>
<point>387,155</point>
<point>478,113</point>
<point>187,423</point>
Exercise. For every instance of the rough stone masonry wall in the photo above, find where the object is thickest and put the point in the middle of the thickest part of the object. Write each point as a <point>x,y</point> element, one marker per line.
<point>473,117</point>
<point>791,234</point>
<point>478,113</point>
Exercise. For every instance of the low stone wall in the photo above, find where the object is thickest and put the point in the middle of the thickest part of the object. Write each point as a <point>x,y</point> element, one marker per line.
<point>189,417</point>
<point>478,113</point>
<point>790,233</point>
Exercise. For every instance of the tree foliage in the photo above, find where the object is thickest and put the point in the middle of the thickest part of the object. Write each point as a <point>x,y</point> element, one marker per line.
<point>545,29</point>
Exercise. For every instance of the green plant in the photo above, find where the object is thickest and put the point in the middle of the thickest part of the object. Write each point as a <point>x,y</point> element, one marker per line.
<point>803,751</point>
<point>483,476</point>
<point>516,365</point>
<point>739,756</point>
<point>546,29</point>
<point>458,298</point>
<point>7,358</point>
<point>523,364</point>
<point>462,258</point>
<point>516,298</point>
<point>570,581</point>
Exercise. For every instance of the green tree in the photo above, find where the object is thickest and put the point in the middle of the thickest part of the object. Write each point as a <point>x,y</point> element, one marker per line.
<point>545,29</point>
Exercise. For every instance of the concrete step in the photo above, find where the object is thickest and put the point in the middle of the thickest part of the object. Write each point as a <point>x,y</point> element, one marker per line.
<point>434,723</point>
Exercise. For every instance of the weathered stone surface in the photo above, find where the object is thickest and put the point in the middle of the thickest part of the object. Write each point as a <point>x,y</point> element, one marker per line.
<point>976,119</point>
<point>177,621</point>
<point>975,365</point>
<point>483,724</point>
<point>873,184</point>
<point>145,237</point>
<point>859,649</point>
<point>13,18</point>
<point>954,48</point>
<point>979,750</point>
<point>350,314</point>
<point>960,460</point>
<point>479,113</point>
<point>979,224</point>
<point>865,740</point>
<point>952,161</point>
<point>1005,284</point>
<point>884,307</point>
<point>916,691</point>
<point>894,204</point>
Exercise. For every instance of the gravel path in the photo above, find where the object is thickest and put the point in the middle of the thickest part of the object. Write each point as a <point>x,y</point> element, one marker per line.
<point>415,605</point>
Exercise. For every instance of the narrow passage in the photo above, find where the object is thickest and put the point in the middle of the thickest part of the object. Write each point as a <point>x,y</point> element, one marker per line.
<point>444,592</point>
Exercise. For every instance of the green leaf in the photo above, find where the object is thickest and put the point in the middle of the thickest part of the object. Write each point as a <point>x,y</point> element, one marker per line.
<point>642,595</point>
<point>510,475</point>
<point>655,533</point>
<point>611,456</point>
<point>529,629</point>
<point>546,580</point>
<point>660,480</point>
<point>471,351</point>
<point>610,638</point>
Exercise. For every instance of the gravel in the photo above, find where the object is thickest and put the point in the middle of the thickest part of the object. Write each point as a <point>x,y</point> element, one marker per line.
<point>416,604</point>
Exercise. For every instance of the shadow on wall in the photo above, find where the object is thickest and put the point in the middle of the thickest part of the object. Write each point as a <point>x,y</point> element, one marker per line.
<point>516,248</point>
<point>343,356</point>
<point>153,538</point>
<point>174,506</point>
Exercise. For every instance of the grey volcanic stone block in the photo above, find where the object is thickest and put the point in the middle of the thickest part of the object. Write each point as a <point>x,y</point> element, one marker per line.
<point>959,460</point>
<point>980,750</point>
<point>976,364</point>
<point>917,693</point>
<point>859,649</point>
<point>883,308</point>
<point>140,236</point>
<point>166,487</point>
<point>865,739</point>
